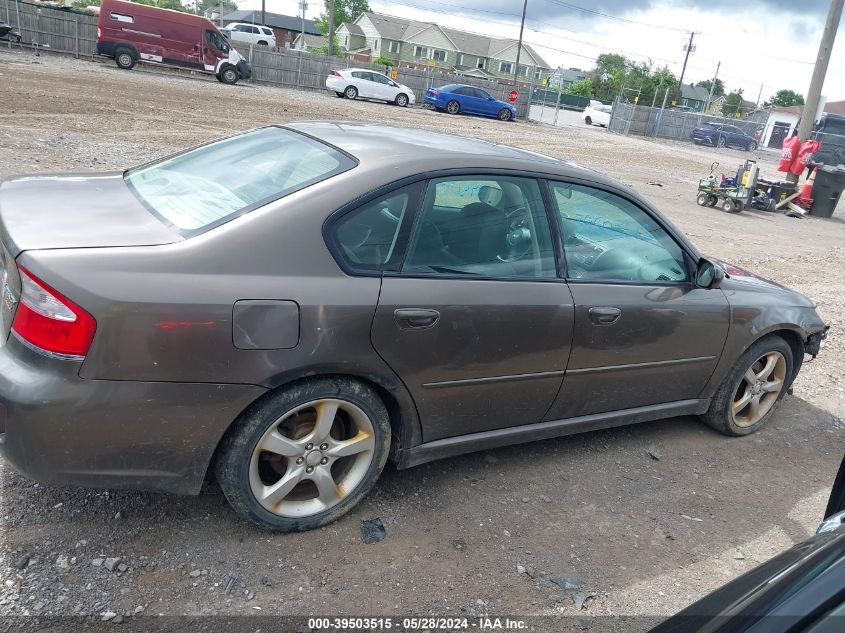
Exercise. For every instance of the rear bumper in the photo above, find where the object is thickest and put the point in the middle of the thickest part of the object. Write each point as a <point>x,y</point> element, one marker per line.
<point>336,84</point>
<point>59,428</point>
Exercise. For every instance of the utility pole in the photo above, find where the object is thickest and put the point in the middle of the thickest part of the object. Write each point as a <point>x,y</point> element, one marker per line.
<point>808,118</point>
<point>304,5</point>
<point>712,86</point>
<point>331,28</point>
<point>759,96</point>
<point>519,45</point>
<point>263,13</point>
<point>690,48</point>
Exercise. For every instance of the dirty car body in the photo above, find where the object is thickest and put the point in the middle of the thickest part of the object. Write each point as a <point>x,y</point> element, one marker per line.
<point>201,302</point>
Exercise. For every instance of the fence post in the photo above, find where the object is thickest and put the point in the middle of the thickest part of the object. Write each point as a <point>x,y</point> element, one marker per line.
<point>299,69</point>
<point>557,107</point>
<point>76,34</point>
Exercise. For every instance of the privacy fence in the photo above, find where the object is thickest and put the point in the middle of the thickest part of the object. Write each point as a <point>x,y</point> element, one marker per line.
<point>628,118</point>
<point>71,32</point>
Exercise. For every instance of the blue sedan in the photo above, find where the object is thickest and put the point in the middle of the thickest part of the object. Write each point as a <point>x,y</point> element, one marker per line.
<point>457,98</point>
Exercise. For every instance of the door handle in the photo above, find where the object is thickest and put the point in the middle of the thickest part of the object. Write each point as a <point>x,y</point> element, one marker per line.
<point>416,317</point>
<point>605,315</point>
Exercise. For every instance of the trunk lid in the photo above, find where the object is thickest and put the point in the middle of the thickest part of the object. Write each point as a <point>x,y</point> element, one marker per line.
<point>73,211</point>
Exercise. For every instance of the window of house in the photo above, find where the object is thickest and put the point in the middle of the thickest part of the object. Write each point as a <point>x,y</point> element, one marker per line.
<point>346,41</point>
<point>608,238</point>
<point>421,51</point>
<point>393,47</point>
<point>488,226</point>
<point>460,59</point>
<point>505,67</point>
<point>481,63</point>
<point>376,44</point>
<point>439,56</point>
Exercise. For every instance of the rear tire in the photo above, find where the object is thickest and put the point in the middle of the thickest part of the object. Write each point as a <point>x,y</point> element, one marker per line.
<point>229,75</point>
<point>328,437</point>
<point>727,413</point>
<point>453,107</point>
<point>588,120</point>
<point>351,92</point>
<point>401,100</point>
<point>721,142</point>
<point>124,58</point>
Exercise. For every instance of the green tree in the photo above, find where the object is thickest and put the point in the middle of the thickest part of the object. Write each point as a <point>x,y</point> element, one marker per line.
<point>337,51</point>
<point>384,61</point>
<point>732,104</point>
<point>785,98</point>
<point>582,87</point>
<point>718,90</point>
<point>344,11</point>
<point>223,6</point>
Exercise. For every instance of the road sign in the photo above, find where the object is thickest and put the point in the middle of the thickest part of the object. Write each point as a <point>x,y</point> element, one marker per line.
<point>394,74</point>
<point>513,95</point>
<point>431,62</point>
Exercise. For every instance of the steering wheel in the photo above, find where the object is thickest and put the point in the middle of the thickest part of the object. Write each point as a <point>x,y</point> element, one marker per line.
<point>518,235</point>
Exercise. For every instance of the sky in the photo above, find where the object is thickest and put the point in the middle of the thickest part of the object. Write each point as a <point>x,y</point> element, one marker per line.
<point>761,43</point>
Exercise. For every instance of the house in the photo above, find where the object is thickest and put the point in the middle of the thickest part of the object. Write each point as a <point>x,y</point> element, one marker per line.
<point>782,121</point>
<point>414,44</point>
<point>562,78</point>
<point>311,42</point>
<point>744,109</point>
<point>285,27</point>
<point>835,107</point>
<point>694,97</point>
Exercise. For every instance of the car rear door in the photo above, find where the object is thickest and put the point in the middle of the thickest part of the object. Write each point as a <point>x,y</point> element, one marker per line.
<point>644,334</point>
<point>364,83</point>
<point>475,319</point>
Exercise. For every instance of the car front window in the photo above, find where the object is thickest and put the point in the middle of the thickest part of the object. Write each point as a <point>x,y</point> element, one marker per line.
<point>209,185</point>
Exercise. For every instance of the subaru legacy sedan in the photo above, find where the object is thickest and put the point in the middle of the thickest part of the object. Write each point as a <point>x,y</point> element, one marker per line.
<point>287,309</point>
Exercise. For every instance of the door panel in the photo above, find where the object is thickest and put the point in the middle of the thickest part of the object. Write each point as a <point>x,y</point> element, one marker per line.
<point>663,347</point>
<point>493,357</point>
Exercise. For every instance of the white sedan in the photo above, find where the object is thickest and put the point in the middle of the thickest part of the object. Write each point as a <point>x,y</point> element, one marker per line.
<point>353,83</point>
<point>598,114</point>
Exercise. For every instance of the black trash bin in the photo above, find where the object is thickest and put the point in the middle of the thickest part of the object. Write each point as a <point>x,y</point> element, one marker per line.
<point>830,181</point>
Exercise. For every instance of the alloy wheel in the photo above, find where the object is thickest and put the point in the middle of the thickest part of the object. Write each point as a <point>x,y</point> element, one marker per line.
<point>312,457</point>
<point>453,107</point>
<point>504,114</point>
<point>759,389</point>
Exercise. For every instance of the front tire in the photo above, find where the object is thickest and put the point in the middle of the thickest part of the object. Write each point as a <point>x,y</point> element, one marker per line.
<point>504,115</point>
<point>750,393</point>
<point>351,92</point>
<point>588,120</point>
<point>401,100</point>
<point>306,456</point>
<point>229,75</point>
<point>752,146</point>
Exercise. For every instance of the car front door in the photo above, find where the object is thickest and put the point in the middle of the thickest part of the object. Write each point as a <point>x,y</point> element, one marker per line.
<point>476,321</point>
<point>645,334</point>
<point>486,104</point>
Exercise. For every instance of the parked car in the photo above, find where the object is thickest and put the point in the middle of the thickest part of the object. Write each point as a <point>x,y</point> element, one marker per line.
<point>802,589</point>
<point>250,34</point>
<point>129,33</point>
<point>597,115</point>
<point>353,83</point>
<point>458,98</point>
<point>720,135</point>
<point>359,292</point>
<point>680,108</point>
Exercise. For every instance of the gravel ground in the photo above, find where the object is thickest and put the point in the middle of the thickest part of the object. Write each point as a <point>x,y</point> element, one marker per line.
<point>484,533</point>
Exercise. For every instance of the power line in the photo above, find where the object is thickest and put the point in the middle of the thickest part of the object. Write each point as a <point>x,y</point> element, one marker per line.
<point>614,17</point>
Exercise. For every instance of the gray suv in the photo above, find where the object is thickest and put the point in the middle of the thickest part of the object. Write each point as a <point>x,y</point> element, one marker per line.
<point>287,309</point>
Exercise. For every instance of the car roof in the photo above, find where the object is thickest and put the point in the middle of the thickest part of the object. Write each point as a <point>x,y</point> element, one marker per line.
<point>372,143</point>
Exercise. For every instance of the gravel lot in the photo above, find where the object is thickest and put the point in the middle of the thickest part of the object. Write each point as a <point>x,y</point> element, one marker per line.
<point>465,535</point>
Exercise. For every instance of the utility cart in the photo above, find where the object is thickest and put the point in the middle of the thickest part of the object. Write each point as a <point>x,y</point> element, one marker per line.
<point>729,194</point>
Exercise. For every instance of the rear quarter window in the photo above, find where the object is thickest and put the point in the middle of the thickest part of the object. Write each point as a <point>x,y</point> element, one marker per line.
<point>207,186</point>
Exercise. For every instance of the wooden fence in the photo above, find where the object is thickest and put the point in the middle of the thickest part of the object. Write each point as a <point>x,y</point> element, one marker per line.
<point>71,32</point>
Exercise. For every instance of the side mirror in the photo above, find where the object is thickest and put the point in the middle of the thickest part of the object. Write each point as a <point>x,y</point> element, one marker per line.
<point>490,99</point>
<point>708,274</point>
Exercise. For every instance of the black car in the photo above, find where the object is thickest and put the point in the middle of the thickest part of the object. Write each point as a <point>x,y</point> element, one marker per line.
<point>801,590</point>
<point>720,135</point>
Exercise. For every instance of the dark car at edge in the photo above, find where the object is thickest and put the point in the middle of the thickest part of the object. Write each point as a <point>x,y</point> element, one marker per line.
<point>358,293</point>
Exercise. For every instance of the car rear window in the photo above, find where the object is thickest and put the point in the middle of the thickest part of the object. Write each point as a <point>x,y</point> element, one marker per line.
<point>212,184</point>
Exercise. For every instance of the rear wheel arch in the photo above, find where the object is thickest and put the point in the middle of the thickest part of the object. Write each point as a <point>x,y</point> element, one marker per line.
<point>404,422</point>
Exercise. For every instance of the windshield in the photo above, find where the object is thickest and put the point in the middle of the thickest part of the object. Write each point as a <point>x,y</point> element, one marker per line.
<point>207,186</point>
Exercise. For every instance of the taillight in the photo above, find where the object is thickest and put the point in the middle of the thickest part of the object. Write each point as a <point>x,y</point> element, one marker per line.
<point>50,322</point>
<point>336,74</point>
<point>435,93</point>
<point>99,34</point>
